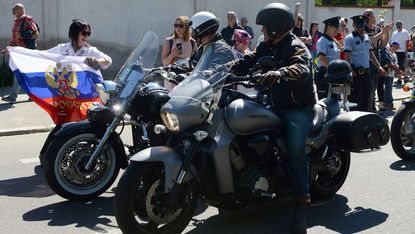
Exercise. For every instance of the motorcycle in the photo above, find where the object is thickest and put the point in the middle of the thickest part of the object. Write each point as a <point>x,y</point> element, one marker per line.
<point>403,128</point>
<point>84,158</point>
<point>228,149</point>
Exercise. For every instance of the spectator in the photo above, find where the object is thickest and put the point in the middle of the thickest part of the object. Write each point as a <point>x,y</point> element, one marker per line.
<point>379,38</point>
<point>25,38</point>
<point>357,48</point>
<point>411,48</point>
<point>227,31</point>
<point>341,34</point>
<point>315,35</point>
<point>241,40</point>
<point>327,50</point>
<point>300,31</point>
<point>180,45</point>
<point>244,24</point>
<point>402,36</point>
<point>392,66</point>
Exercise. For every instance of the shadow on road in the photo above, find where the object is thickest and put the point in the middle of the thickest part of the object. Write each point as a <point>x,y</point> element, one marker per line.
<point>333,214</point>
<point>402,165</point>
<point>82,214</point>
<point>31,186</point>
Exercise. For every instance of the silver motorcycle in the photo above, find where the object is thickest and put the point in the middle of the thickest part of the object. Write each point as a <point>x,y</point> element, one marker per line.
<point>228,149</point>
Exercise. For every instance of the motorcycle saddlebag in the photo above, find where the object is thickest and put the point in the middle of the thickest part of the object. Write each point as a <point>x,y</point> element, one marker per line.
<point>357,130</point>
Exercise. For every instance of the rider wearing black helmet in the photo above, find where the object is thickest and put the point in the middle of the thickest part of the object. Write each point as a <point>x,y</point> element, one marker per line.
<point>292,93</point>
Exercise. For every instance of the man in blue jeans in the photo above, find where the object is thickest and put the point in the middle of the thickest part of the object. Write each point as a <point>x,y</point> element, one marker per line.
<point>292,93</point>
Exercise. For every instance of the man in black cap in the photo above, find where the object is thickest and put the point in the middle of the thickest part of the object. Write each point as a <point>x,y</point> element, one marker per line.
<point>358,52</point>
<point>327,50</point>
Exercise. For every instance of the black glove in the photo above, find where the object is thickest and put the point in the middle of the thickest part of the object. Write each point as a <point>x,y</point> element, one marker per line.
<point>271,77</point>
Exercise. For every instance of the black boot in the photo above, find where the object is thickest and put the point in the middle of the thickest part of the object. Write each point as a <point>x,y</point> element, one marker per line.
<point>299,223</point>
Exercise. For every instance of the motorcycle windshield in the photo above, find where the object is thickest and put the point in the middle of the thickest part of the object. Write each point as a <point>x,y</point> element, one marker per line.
<point>133,71</point>
<point>204,84</point>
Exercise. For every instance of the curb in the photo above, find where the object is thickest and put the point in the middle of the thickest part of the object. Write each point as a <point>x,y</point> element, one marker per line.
<point>26,130</point>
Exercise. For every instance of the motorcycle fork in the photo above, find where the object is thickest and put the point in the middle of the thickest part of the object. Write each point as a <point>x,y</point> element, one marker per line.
<point>190,149</point>
<point>102,142</point>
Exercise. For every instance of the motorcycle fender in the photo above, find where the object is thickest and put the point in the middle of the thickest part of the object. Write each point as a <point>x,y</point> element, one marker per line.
<point>80,127</point>
<point>409,101</point>
<point>86,126</point>
<point>171,159</point>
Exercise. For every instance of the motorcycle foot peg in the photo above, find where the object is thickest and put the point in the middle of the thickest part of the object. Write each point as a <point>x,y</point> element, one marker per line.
<point>159,129</point>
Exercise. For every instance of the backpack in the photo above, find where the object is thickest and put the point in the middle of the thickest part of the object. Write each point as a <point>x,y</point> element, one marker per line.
<point>27,34</point>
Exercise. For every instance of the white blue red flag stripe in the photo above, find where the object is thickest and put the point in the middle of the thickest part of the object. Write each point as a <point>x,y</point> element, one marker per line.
<point>64,86</point>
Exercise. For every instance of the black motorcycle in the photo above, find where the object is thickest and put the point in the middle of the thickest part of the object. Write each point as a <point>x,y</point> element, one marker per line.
<point>403,128</point>
<point>84,158</point>
<point>228,149</point>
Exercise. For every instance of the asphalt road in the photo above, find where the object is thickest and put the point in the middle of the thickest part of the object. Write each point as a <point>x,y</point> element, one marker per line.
<point>378,197</point>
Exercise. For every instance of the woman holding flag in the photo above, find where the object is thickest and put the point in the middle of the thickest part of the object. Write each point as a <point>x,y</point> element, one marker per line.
<point>79,33</point>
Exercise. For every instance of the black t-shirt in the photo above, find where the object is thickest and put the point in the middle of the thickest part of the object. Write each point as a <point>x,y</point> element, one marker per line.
<point>300,32</point>
<point>227,33</point>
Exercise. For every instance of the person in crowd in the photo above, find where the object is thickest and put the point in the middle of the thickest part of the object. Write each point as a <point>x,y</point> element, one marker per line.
<point>300,31</point>
<point>379,37</point>
<point>315,36</point>
<point>180,45</point>
<point>341,34</point>
<point>24,33</point>
<point>391,65</point>
<point>241,40</point>
<point>401,35</point>
<point>358,48</point>
<point>79,33</point>
<point>227,31</point>
<point>244,24</point>
<point>327,50</point>
<point>292,93</point>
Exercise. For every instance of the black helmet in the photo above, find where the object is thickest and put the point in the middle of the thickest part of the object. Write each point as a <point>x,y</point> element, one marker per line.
<point>277,18</point>
<point>203,23</point>
<point>339,72</point>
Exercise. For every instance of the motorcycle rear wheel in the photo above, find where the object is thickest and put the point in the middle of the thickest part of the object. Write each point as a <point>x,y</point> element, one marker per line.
<point>326,180</point>
<point>64,170</point>
<point>139,205</point>
<point>403,133</point>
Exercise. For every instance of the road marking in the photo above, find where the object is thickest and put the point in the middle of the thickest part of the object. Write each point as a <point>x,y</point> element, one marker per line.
<point>29,160</point>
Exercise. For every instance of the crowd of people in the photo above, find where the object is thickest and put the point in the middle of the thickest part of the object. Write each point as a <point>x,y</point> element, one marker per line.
<point>376,57</point>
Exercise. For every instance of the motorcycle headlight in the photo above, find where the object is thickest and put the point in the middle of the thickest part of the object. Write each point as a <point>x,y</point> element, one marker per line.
<point>106,90</point>
<point>171,121</point>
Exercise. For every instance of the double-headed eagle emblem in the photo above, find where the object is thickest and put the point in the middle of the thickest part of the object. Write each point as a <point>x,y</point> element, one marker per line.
<point>64,85</point>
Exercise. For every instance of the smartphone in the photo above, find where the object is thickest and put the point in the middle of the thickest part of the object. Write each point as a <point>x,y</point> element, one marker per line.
<point>179,46</point>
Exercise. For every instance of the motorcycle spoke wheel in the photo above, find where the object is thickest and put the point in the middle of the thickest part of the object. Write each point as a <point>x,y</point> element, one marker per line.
<point>65,171</point>
<point>140,205</point>
<point>327,179</point>
<point>403,133</point>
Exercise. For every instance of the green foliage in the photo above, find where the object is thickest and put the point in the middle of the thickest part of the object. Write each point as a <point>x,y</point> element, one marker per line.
<point>355,2</point>
<point>6,76</point>
<point>407,3</point>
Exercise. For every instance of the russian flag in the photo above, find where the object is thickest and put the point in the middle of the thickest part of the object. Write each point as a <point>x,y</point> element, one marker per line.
<point>64,86</point>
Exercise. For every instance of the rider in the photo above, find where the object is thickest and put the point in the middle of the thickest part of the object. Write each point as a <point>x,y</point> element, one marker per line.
<point>204,26</point>
<point>292,94</point>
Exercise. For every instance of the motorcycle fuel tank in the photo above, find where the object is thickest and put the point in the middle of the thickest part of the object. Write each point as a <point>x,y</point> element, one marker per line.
<point>246,117</point>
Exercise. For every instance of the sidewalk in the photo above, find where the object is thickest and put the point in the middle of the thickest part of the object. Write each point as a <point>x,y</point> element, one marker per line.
<point>25,117</point>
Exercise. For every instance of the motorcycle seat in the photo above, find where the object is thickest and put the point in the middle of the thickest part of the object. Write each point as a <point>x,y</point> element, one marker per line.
<point>324,110</point>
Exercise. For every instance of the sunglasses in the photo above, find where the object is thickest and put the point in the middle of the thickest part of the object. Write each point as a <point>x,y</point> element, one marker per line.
<point>178,25</point>
<point>86,34</point>
<point>368,15</point>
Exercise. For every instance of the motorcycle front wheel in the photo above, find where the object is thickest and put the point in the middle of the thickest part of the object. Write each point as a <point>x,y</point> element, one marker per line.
<point>140,202</point>
<point>329,175</point>
<point>403,132</point>
<point>65,172</point>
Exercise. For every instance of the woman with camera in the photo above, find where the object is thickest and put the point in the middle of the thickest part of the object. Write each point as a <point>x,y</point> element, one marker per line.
<point>180,45</point>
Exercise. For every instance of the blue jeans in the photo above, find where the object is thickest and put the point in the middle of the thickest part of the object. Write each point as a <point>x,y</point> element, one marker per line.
<point>387,95</point>
<point>298,122</point>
